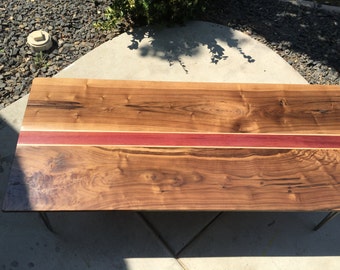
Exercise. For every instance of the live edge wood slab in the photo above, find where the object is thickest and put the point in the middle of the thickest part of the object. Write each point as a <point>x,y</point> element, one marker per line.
<point>133,145</point>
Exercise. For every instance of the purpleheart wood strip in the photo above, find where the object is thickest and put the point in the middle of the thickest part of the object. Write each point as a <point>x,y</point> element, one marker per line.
<point>178,139</point>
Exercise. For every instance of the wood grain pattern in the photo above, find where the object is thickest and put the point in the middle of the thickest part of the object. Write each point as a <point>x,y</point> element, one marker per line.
<point>294,128</point>
<point>105,178</point>
<point>73,104</point>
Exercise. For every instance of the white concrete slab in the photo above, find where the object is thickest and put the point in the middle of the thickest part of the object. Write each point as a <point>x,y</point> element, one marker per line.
<point>14,113</point>
<point>199,51</point>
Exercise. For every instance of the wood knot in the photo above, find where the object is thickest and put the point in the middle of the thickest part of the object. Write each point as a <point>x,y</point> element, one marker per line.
<point>119,171</point>
<point>108,109</point>
<point>196,177</point>
<point>283,102</point>
<point>151,176</point>
<point>76,115</point>
<point>292,197</point>
<point>284,106</point>
<point>246,126</point>
<point>177,181</point>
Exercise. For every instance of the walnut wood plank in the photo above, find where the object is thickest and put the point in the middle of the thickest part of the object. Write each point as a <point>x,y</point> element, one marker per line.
<point>106,178</point>
<point>74,104</point>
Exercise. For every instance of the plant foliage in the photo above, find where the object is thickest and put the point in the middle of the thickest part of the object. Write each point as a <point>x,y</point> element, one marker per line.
<point>143,12</point>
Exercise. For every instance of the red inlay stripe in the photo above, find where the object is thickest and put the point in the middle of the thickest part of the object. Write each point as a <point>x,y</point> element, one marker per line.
<point>178,139</point>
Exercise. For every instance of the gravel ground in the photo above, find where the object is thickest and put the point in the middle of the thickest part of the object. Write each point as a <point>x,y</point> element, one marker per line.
<point>308,39</point>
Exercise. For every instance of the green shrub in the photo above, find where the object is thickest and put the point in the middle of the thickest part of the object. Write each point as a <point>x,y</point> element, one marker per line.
<point>143,12</point>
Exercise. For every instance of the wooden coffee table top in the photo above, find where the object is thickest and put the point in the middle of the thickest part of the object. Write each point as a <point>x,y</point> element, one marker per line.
<point>132,145</point>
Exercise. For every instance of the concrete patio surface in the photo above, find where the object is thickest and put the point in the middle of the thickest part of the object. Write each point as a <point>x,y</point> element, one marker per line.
<point>166,240</point>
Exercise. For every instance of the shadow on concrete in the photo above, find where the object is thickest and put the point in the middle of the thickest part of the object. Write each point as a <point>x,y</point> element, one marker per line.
<point>15,196</point>
<point>8,142</point>
<point>172,46</point>
<point>247,234</point>
<point>309,31</point>
<point>122,236</point>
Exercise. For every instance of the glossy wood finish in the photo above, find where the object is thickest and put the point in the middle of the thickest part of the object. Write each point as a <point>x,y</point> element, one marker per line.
<point>103,178</point>
<point>267,169</point>
<point>70,104</point>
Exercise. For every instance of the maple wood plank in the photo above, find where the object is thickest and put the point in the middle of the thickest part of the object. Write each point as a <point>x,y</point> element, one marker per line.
<point>132,145</point>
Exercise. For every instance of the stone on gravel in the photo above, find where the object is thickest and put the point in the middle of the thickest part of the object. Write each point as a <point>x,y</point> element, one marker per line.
<point>61,19</point>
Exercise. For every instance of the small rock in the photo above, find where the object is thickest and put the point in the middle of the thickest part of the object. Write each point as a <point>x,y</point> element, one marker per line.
<point>32,68</point>
<point>14,51</point>
<point>23,52</point>
<point>21,42</point>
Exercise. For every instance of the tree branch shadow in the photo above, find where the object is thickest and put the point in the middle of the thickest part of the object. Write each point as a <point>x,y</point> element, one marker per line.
<point>186,41</point>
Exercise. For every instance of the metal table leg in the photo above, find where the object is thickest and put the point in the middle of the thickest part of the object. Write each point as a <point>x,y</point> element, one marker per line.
<point>46,220</point>
<point>329,216</point>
